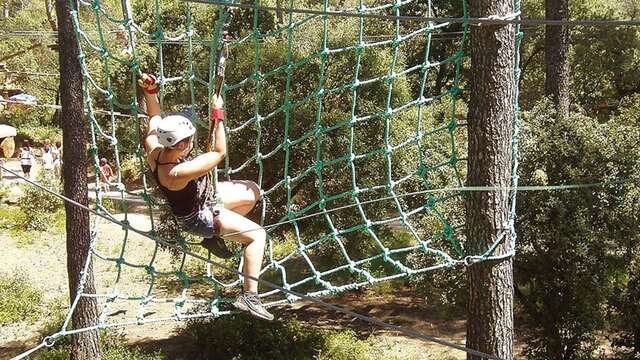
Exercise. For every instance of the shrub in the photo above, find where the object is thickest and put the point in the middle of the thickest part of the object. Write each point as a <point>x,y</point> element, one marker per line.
<point>9,216</point>
<point>37,133</point>
<point>56,312</point>
<point>120,351</point>
<point>343,345</point>
<point>20,300</point>
<point>241,337</point>
<point>130,170</point>
<point>111,205</point>
<point>39,207</point>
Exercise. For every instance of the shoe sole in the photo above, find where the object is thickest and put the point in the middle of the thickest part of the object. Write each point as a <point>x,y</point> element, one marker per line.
<point>240,305</point>
<point>218,252</point>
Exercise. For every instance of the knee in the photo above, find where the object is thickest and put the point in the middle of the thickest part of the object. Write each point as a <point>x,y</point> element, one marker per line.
<point>259,237</point>
<point>255,190</point>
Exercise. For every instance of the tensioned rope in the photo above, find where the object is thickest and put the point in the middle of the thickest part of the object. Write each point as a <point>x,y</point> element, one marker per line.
<point>58,107</point>
<point>31,73</point>
<point>322,119</point>
<point>493,20</point>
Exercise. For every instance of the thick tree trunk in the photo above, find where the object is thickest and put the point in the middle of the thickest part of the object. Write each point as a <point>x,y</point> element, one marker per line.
<point>556,83</point>
<point>84,346</point>
<point>491,111</point>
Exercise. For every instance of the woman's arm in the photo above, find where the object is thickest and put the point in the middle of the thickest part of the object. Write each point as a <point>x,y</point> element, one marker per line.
<point>204,163</point>
<point>150,88</point>
<point>220,136</point>
<point>197,167</point>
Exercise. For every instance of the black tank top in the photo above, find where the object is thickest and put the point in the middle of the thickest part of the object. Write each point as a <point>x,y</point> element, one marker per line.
<point>183,202</point>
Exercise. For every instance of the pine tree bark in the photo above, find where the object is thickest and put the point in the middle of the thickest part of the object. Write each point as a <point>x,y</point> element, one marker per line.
<point>491,111</point>
<point>84,346</point>
<point>556,82</point>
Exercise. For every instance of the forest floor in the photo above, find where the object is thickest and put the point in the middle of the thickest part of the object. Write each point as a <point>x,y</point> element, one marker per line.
<point>42,259</point>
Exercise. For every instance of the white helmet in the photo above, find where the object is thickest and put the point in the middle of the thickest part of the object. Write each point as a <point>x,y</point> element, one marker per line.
<point>173,129</point>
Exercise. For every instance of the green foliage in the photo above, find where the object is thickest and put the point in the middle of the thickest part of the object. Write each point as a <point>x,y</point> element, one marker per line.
<point>241,337</point>
<point>344,345</point>
<point>604,60</point>
<point>626,307</point>
<point>111,205</point>
<point>39,207</point>
<point>34,124</point>
<point>445,289</point>
<point>43,58</point>
<point>20,300</point>
<point>56,314</point>
<point>10,217</point>
<point>37,134</point>
<point>130,170</point>
<point>4,191</point>
<point>572,270</point>
<point>573,245</point>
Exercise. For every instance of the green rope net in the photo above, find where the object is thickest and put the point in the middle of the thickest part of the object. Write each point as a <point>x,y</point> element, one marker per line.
<point>351,126</point>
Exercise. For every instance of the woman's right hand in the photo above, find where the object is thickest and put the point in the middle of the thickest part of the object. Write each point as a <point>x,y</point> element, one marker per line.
<point>149,84</point>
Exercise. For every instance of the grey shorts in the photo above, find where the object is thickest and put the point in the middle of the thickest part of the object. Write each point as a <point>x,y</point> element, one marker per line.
<point>206,223</point>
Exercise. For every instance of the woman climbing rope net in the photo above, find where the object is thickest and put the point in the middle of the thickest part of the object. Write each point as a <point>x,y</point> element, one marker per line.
<point>167,143</point>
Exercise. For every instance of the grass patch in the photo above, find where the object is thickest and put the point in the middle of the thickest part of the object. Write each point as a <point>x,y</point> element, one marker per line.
<point>56,313</point>
<point>4,191</point>
<point>14,219</point>
<point>20,300</point>
<point>10,216</point>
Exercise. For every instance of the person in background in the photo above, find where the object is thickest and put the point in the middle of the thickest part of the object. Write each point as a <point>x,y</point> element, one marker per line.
<point>106,173</point>
<point>47,160</point>
<point>56,152</point>
<point>26,159</point>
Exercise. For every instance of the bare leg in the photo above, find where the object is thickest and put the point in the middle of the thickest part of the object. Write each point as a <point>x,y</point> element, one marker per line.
<point>239,196</point>
<point>252,236</point>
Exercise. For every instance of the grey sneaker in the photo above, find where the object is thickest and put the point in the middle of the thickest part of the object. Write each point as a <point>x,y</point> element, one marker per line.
<point>253,305</point>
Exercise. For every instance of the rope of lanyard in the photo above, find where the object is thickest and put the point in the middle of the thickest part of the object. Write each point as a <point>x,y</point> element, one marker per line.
<point>223,55</point>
